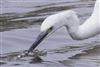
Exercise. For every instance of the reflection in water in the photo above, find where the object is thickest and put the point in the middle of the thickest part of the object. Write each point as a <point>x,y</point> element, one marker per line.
<point>61,50</point>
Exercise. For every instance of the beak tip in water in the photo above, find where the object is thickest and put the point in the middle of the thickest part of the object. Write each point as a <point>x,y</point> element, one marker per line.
<point>39,39</point>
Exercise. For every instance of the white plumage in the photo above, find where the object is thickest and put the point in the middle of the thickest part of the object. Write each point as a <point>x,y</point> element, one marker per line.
<point>69,19</point>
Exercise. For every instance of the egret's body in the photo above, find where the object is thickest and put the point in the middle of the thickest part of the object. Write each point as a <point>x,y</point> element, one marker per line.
<point>69,19</point>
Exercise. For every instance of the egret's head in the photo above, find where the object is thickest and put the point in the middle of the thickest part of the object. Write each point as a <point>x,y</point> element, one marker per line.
<point>58,20</point>
<point>49,25</point>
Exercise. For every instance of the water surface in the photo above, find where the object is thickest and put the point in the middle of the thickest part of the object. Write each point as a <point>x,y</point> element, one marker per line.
<point>21,25</point>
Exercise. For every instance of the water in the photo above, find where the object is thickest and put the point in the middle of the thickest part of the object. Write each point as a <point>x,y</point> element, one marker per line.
<point>21,25</point>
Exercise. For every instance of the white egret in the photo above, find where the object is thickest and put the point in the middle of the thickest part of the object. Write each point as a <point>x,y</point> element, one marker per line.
<point>69,19</point>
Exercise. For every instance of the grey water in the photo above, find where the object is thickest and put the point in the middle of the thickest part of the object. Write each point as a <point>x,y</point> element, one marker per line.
<point>20,25</point>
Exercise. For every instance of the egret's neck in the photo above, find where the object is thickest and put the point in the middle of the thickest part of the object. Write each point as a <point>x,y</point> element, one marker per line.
<point>89,28</point>
<point>72,25</point>
<point>96,8</point>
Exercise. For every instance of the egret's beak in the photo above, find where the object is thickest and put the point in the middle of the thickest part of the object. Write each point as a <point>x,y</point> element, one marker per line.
<point>39,39</point>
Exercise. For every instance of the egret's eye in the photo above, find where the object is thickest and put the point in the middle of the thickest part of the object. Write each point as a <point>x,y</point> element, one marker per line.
<point>50,29</point>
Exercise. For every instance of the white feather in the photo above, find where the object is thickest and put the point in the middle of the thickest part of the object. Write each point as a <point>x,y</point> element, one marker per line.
<point>69,19</point>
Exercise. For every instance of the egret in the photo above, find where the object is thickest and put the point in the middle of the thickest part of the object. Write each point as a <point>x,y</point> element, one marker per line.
<point>70,20</point>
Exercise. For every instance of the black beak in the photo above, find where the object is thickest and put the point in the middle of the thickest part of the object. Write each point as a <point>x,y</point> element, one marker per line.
<point>39,39</point>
